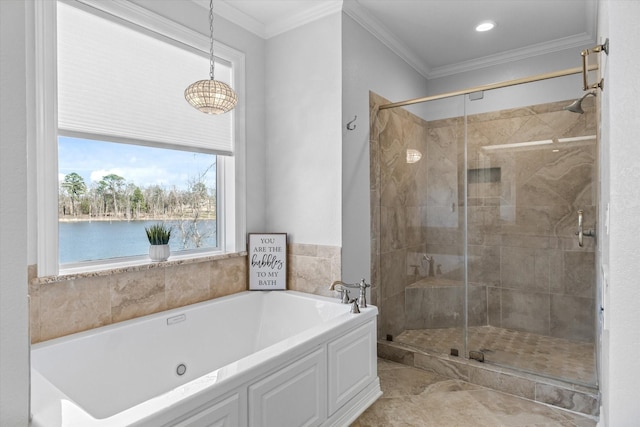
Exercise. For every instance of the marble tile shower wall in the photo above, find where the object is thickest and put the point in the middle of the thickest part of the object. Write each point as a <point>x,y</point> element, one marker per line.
<point>528,270</point>
<point>64,305</point>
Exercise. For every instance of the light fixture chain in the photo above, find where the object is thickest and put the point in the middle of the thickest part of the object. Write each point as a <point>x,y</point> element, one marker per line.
<point>211,63</point>
<point>211,96</point>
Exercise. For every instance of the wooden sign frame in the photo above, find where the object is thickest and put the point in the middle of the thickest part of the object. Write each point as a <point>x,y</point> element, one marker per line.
<point>267,254</point>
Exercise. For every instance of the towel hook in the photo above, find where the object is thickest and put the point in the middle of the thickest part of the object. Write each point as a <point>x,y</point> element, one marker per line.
<point>350,125</point>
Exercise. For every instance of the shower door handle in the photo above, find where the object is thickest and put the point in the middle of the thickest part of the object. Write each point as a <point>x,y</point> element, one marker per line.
<point>582,233</point>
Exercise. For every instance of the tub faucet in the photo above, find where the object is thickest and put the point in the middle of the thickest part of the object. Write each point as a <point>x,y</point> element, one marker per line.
<point>344,292</point>
<point>337,282</point>
<point>362,285</point>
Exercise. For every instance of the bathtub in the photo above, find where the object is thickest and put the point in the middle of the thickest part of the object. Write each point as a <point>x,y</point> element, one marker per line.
<point>272,359</point>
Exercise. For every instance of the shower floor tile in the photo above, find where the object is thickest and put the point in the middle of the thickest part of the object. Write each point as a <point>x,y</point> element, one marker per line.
<point>539,354</point>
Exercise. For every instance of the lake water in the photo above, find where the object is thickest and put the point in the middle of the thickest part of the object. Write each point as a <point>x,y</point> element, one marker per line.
<point>95,240</point>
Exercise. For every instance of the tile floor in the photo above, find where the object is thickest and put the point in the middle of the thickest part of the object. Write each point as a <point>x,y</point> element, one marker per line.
<point>544,355</point>
<point>417,398</point>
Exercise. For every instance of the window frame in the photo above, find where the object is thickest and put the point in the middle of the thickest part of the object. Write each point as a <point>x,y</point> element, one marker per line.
<point>231,169</point>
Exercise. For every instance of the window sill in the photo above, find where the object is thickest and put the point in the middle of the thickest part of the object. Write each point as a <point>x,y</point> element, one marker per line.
<point>141,264</point>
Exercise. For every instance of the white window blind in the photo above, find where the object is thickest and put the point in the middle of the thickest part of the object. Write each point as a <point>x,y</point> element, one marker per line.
<point>126,85</point>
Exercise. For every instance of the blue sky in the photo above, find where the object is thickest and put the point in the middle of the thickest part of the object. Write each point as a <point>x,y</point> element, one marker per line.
<point>137,164</point>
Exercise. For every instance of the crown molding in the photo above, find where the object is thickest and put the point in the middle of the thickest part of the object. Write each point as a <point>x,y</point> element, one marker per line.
<point>375,27</point>
<point>352,8</point>
<point>299,19</point>
<point>379,31</point>
<point>577,41</point>
<point>230,13</point>
<point>225,9</point>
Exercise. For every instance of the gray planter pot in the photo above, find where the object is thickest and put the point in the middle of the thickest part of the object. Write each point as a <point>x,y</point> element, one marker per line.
<point>159,253</point>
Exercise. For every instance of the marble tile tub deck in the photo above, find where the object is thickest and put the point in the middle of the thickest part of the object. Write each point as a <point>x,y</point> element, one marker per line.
<point>415,397</point>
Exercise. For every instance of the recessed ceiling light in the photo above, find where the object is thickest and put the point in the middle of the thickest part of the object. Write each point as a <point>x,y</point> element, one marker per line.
<point>485,26</point>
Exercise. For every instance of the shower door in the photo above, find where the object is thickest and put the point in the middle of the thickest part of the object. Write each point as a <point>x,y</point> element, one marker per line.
<point>474,223</point>
<point>418,225</point>
<point>531,176</point>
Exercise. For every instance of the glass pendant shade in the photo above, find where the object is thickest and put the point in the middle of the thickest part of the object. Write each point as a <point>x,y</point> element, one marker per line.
<point>211,96</point>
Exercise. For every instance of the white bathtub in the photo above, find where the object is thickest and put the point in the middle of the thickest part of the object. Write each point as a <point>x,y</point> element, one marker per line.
<point>272,359</point>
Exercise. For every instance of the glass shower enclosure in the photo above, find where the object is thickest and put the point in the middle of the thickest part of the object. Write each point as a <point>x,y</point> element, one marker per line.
<point>475,214</point>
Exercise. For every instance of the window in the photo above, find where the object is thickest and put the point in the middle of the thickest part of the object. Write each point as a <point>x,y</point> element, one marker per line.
<point>110,192</point>
<point>130,150</point>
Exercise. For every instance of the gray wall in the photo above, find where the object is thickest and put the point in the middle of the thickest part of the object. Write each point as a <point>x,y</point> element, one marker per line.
<point>368,65</point>
<point>620,203</point>
<point>556,89</point>
<point>14,348</point>
<point>303,157</point>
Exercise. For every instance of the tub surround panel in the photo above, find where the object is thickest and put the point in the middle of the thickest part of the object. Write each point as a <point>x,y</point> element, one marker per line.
<point>312,268</point>
<point>85,301</point>
<point>34,304</point>
<point>67,304</point>
<point>72,306</point>
<point>137,294</point>
<point>228,276</point>
<point>189,284</point>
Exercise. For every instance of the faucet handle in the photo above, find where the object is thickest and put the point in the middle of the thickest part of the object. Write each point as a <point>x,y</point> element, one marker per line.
<point>362,300</point>
<point>344,296</point>
<point>354,306</point>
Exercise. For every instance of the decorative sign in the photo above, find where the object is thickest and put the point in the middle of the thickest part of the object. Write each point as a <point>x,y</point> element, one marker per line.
<point>267,261</point>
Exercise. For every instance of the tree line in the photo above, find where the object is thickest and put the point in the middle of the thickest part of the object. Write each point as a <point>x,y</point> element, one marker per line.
<point>114,198</point>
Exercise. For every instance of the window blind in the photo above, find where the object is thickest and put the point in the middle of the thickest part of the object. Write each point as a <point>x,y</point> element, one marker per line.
<point>124,84</point>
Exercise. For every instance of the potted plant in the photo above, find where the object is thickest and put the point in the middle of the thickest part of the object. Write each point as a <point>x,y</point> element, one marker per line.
<point>158,235</point>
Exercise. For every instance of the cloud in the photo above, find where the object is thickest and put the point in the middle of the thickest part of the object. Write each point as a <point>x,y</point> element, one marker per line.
<point>97,175</point>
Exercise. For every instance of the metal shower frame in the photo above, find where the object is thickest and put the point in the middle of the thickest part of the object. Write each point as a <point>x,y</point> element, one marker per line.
<point>538,77</point>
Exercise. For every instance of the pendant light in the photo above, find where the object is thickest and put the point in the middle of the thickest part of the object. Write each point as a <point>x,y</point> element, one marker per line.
<point>211,96</point>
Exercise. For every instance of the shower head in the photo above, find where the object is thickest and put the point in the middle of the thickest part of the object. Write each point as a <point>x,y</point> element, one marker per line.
<point>576,106</point>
